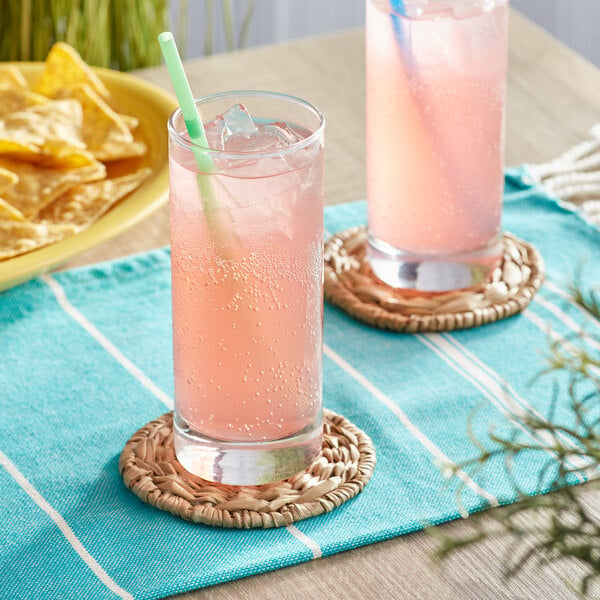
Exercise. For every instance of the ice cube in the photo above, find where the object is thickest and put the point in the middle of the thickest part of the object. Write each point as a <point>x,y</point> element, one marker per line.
<point>270,137</point>
<point>464,9</point>
<point>238,121</point>
<point>283,132</point>
<point>242,134</point>
<point>214,133</point>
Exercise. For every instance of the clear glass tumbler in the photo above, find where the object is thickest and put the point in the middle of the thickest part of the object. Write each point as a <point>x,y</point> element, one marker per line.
<point>436,88</point>
<point>247,275</point>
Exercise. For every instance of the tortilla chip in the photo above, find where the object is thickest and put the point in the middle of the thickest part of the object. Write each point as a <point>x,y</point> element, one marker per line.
<point>19,237</point>
<point>11,77</point>
<point>39,186</point>
<point>84,204</point>
<point>59,120</point>
<point>64,70</point>
<point>7,211</point>
<point>131,122</point>
<point>8,178</point>
<point>114,150</point>
<point>104,132</point>
<point>17,99</point>
<point>49,134</point>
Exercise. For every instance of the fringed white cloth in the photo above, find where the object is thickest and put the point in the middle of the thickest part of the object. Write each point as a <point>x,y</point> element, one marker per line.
<point>575,176</point>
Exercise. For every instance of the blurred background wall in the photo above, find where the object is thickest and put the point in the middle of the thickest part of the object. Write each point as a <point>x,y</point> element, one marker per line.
<point>575,22</point>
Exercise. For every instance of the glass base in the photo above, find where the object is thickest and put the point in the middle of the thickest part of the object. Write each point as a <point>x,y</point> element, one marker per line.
<point>432,273</point>
<point>245,463</point>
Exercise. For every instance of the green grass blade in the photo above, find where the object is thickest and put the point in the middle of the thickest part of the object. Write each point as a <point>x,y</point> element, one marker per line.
<point>209,17</point>
<point>182,26</point>
<point>247,20</point>
<point>25,33</point>
<point>228,25</point>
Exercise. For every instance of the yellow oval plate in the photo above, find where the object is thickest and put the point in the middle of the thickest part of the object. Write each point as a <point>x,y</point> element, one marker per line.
<point>152,106</point>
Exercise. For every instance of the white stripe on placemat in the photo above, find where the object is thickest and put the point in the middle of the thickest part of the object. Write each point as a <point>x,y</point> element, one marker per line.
<point>566,320</point>
<point>62,299</point>
<point>570,299</point>
<point>491,389</point>
<point>519,405</point>
<point>408,424</point>
<point>68,533</point>
<point>312,545</point>
<point>60,295</point>
<point>486,384</point>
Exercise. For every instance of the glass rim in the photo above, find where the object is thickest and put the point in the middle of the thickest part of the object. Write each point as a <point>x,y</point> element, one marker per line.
<point>409,6</point>
<point>294,147</point>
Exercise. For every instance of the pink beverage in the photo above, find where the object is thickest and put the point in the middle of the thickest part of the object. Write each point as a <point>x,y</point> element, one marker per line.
<point>436,87</point>
<point>247,274</point>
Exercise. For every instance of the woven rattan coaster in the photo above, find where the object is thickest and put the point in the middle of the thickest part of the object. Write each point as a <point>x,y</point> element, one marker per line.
<point>351,285</point>
<point>150,469</point>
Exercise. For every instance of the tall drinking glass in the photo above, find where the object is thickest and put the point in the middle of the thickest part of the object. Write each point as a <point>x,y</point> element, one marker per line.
<point>247,275</point>
<point>436,87</point>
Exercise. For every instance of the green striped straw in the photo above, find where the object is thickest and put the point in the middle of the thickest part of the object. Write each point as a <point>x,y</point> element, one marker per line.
<point>184,95</point>
<point>193,122</point>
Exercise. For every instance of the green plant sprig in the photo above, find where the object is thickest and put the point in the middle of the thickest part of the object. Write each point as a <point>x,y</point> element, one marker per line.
<point>118,34</point>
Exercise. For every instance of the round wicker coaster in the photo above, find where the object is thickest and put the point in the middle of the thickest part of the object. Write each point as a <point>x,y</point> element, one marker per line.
<point>351,285</point>
<point>150,469</point>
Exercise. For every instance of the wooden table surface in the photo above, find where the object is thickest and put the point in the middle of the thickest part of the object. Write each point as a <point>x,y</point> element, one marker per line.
<point>554,99</point>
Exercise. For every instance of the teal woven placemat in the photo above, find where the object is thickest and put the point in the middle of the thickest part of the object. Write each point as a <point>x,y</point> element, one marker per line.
<point>87,360</point>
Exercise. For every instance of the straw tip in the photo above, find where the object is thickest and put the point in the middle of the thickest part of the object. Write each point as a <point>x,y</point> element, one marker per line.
<point>165,36</point>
